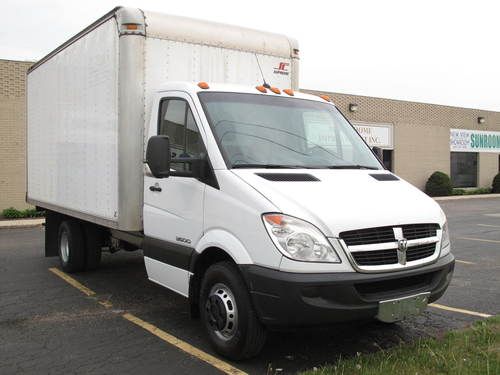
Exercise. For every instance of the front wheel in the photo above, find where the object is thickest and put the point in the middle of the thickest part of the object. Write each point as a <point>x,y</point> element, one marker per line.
<point>228,315</point>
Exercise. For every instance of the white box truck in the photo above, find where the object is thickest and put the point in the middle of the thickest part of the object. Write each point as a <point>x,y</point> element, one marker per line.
<point>263,206</point>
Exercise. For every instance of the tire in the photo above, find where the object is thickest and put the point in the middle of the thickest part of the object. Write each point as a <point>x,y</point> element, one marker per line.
<point>71,246</point>
<point>94,239</point>
<point>228,315</point>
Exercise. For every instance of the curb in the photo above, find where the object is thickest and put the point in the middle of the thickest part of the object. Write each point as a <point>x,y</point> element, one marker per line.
<point>21,223</point>
<point>458,197</point>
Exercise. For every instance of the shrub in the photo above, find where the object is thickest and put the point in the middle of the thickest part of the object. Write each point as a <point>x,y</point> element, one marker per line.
<point>438,185</point>
<point>496,184</point>
<point>12,213</point>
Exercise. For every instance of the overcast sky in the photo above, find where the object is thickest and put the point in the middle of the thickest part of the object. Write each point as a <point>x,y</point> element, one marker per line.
<point>445,52</point>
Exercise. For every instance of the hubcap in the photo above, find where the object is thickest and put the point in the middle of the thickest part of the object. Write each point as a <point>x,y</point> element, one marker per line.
<point>64,245</point>
<point>222,313</point>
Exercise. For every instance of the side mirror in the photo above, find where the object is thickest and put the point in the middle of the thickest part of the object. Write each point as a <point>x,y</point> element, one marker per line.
<point>158,156</point>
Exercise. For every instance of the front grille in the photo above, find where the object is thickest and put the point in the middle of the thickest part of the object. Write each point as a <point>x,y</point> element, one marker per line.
<point>370,236</point>
<point>416,231</point>
<point>390,256</point>
<point>420,252</point>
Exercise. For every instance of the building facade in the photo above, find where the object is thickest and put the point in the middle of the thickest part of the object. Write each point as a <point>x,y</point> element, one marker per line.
<point>13,133</point>
<point>419,139</point>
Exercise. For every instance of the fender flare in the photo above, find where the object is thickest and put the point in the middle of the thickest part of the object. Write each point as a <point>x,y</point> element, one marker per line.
<point>225,241</point>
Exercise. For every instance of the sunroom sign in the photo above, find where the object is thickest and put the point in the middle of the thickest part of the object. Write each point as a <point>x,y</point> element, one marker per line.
<point>463,140</point>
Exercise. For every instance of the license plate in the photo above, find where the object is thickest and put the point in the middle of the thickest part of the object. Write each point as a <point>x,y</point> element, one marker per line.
<point>397,309</point>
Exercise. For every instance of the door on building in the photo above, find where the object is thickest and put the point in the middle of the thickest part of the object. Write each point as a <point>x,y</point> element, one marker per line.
<point>464,169</point>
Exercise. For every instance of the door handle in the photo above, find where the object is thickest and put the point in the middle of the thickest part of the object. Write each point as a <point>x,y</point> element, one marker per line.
<point>155,188</point>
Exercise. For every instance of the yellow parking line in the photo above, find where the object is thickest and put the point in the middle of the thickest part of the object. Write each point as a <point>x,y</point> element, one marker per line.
<point>184,346</point>
<point>463,311</point>
<point>463,261</point>
<point>72,282</point>
<point>477,239</point>
<point>167,337</point>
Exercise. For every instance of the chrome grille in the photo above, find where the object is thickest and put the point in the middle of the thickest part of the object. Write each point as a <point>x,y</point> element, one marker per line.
<point>386,234</point>
<point>392,247</point>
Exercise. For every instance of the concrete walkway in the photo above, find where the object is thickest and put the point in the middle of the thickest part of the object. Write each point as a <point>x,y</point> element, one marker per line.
<point>22,223</point>
<point>458,197</point>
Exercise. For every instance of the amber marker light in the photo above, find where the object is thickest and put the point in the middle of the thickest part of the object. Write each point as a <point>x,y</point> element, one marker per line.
<point>131,26</point>
<point>274,219</point>
<point>288,92</point>
<point>275,90</point>
<point>203,85</point>
<point>325,98</point>
<point>261,89</point>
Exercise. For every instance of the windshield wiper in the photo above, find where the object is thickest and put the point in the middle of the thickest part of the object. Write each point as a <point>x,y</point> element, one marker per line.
<point>267,166</point>
<point>354,166</point>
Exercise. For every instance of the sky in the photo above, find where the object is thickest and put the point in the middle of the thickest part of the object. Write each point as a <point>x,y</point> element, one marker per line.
<point>440,51</point>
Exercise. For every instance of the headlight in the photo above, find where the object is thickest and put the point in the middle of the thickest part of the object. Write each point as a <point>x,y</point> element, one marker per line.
<point>299,240</point>
<point>445,240</point>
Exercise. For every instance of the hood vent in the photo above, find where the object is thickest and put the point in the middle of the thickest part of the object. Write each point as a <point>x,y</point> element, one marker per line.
<point>288,177</point>
<point>384,177</point>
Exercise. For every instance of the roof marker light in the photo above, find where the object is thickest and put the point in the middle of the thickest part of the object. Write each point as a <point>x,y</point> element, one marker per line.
<point>131,26</point>
<point>261,89</point>
<point>275,90</point>
<point>288,92</point>
<point>325,97</point>
<point>203,85</point>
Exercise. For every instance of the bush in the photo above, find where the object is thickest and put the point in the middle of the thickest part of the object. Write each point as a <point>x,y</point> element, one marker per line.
<point>476,191</point>
<point>438,185</point>
<point>12,213</point>
<point>496,184</point>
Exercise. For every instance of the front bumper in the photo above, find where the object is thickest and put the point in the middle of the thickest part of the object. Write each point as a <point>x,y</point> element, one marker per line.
<point>304,299</point>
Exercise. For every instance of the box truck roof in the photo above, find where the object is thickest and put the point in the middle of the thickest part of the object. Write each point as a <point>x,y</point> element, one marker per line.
<point>189,30</point>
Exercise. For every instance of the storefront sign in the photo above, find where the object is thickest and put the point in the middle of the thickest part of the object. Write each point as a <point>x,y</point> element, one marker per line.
<point>463,140</point>
<point>379,135</point>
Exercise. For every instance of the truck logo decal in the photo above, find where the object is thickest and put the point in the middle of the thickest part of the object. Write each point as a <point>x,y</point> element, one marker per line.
<point>282,68</point>
<point>402,247</point>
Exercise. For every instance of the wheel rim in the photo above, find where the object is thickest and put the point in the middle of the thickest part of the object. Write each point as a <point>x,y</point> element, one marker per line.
<point>222,313</point>
<point>64,247</point>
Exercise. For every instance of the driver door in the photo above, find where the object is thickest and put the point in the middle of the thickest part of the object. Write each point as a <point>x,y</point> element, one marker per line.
<point>173,206</point>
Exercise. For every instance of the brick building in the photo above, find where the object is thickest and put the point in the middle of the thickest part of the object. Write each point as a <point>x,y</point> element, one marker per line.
<point>417,138</point>
<point>13,133</point>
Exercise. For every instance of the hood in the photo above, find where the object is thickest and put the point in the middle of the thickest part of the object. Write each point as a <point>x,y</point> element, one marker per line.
<point>340,200</point>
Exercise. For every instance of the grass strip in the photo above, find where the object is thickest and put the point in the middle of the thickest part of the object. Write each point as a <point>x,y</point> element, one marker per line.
<point>474,350</point>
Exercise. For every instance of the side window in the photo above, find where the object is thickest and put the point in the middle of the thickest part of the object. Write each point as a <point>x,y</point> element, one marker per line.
<point>177,122</point>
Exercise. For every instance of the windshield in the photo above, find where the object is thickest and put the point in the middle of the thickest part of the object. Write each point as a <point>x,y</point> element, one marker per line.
<point>276,132</point>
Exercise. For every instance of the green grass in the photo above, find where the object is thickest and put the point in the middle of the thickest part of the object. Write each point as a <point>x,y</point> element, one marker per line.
<point>475,350</point>
<point>12,213</point>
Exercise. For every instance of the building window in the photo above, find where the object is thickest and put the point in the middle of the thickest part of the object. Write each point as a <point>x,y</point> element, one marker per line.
<point>464,169</point>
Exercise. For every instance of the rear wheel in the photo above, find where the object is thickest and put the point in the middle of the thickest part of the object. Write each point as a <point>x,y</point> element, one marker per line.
<point>71,246</point>
<point>228,315</point>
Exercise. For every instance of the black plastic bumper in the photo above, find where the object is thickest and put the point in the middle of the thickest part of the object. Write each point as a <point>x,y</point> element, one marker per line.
<point>301,299</point>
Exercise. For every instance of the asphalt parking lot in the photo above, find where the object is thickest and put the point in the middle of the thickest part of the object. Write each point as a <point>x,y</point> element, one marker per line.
<point>125,324</point>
